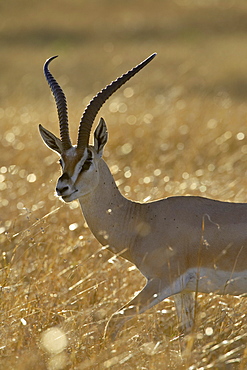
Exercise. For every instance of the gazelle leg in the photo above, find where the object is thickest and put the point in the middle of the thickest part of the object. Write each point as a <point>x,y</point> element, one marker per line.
<point>153,293</point>
<point>185,306</point>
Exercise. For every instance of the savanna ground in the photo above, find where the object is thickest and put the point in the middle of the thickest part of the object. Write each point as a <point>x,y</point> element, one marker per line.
<point>179,127</point>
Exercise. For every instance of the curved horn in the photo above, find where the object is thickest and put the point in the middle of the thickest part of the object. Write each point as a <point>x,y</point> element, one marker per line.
<point>61,105</point>
<point>96,103</point>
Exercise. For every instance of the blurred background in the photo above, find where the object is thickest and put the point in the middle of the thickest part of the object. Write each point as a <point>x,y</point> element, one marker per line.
<point>179,127</point>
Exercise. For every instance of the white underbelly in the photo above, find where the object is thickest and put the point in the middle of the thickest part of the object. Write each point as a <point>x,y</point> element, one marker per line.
<point>205,280</point>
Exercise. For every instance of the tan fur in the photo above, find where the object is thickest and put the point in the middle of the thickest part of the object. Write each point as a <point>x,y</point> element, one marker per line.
<point>181,245</point>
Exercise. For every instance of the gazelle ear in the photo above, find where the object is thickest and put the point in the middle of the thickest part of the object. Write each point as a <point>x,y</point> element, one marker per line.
<point>100,137</point>
<point>50,140</point>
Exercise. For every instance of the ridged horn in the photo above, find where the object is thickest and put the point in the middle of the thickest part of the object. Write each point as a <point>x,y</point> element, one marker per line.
<point>61,104</point>
<point>96,103</point>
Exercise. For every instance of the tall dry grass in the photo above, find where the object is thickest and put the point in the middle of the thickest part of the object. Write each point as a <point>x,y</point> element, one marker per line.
<point>188,111</point>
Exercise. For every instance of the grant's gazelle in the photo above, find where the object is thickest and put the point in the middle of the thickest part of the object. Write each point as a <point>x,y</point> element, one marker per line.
<point>181,244</point>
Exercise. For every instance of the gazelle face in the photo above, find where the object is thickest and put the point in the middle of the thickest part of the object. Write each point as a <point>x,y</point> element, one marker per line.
<point>80,167</point>
<point>80,174</point>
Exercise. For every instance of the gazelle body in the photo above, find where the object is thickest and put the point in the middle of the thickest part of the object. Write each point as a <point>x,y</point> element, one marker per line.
<point>180,244</point>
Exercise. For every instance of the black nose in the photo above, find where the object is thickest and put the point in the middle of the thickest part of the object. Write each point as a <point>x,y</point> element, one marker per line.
<point>61,191</point>
<point>62,188</point>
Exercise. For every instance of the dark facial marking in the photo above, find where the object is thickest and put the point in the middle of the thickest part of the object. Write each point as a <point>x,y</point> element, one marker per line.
<point>87,162</point>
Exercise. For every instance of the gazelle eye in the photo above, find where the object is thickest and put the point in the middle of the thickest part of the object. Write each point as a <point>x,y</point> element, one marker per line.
<point>86,165</point>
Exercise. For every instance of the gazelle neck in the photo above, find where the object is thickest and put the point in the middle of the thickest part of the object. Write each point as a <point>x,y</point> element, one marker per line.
<point>108,214</point>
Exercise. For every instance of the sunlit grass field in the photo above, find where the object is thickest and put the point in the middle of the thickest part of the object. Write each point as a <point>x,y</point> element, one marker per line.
<point>177,128</point>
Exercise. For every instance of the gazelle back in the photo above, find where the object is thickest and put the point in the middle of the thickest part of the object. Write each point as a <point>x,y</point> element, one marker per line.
<point>181,244</point>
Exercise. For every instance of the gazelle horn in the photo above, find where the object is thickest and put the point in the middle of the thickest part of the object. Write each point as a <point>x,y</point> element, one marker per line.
<point>96,103</point>
<point>61,105</point>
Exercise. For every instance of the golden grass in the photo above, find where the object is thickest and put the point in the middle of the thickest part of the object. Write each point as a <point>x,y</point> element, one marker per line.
<point>188,111</point>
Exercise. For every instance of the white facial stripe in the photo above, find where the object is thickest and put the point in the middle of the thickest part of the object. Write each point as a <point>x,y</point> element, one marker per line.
<point>77,170</point>
<point>79,165</point>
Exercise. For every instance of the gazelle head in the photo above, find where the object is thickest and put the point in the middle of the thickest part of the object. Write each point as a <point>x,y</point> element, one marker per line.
<point>80,162</point>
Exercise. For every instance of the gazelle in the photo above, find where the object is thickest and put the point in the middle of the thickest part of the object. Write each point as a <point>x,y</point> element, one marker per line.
<point>181,244</point>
